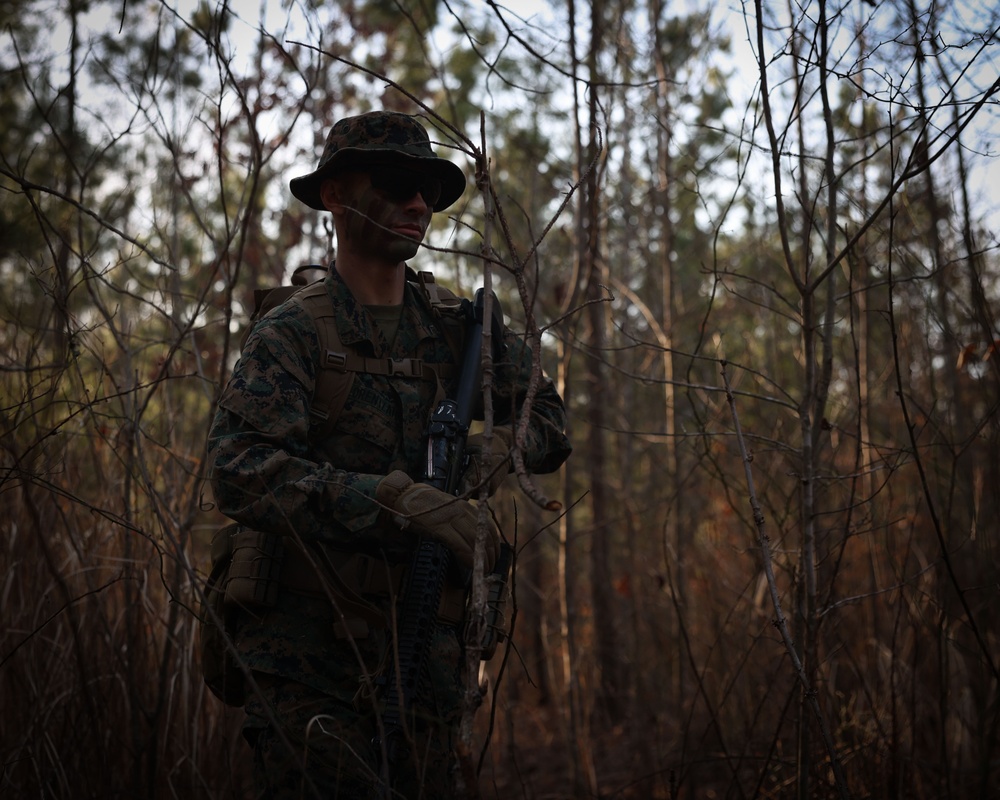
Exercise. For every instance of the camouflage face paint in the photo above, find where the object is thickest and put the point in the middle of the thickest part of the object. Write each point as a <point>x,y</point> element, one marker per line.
<point>377,227</point>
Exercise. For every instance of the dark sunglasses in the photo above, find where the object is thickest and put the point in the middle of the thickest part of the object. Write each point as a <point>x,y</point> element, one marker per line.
<point>399,184</point>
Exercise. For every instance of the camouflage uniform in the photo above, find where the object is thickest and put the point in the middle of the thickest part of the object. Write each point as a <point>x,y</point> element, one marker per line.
<point>270,474</point>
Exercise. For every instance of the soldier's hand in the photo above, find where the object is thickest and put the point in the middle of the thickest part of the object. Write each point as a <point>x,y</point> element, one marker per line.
<point>490,469</point>
<point>437,515</point>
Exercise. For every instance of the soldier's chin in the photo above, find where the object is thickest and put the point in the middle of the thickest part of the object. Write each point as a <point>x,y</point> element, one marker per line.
<point>404,248</point>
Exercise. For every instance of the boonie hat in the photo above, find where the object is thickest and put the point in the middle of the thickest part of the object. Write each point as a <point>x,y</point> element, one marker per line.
<point>379,137</point>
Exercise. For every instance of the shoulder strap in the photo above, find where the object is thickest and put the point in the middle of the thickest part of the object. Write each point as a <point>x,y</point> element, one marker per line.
<point>338,364</point>
<point>336,367</point>
<point>450,310</point>
<point>438,296</point>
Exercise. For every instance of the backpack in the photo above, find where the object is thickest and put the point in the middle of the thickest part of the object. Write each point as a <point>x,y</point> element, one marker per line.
<point>221,669</point>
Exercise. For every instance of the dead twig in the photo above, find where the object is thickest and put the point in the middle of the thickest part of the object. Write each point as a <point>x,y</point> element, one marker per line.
<point>779,622</point>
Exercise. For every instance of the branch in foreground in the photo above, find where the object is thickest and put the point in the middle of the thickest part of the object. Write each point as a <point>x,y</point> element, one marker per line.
<point>780,622</point>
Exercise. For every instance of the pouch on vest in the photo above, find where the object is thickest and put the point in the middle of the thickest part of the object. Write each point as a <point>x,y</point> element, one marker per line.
<point>255,571</point>
<point>219,666</point>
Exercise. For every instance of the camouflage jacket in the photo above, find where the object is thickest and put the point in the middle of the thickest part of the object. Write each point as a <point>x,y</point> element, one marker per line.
<point>268,473</point>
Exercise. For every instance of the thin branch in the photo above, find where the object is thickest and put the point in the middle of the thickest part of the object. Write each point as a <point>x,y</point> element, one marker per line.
<point>780,622</point>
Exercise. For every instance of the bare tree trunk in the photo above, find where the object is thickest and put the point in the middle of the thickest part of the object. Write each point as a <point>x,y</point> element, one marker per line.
<point>947,405</point>
<point>583,777</point>
<point>817,322</point>
<point>608,681</point>
<point>532,607</point>
<point>677,538</point>
<point>581,759</point>
<point>805,631</point>
<point>61,333</point>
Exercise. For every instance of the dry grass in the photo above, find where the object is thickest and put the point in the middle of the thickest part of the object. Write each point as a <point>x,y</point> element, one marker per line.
<point>102,696</point>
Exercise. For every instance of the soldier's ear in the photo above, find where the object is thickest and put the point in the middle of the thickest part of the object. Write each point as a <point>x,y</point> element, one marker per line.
<point>330,192</point>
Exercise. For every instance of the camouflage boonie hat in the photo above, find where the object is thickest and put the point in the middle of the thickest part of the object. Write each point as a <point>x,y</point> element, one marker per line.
<point>379,136</point>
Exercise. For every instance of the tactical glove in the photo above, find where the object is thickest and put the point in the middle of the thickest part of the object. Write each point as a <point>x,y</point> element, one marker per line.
<point>491,469</point>
<point>437,515</point>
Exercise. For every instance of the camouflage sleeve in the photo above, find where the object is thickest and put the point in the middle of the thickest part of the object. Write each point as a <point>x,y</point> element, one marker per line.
<point>547,446</point>
<point>263,471</point>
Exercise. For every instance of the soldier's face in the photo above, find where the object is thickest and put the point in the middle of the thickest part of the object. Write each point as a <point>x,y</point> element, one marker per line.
<point>387,211</point>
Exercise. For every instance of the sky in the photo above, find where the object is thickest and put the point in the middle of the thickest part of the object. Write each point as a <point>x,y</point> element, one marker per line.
<point>291,25</point>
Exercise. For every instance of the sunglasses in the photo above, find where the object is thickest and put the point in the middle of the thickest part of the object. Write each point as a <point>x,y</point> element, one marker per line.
<point>399,184</point>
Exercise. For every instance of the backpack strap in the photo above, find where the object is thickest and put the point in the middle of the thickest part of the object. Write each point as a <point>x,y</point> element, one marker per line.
<point>451,311</point>
<point>438,297</point>
<point>336,367</point>
<point>338,364</point>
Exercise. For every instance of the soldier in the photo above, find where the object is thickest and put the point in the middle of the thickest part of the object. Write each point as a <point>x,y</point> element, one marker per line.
<point>327,505</point>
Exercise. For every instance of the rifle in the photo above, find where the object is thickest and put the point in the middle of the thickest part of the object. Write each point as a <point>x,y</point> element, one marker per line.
<point>421,598</point>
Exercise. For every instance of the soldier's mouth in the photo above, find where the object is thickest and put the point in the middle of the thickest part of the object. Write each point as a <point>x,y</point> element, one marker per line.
<point>410,231</point>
